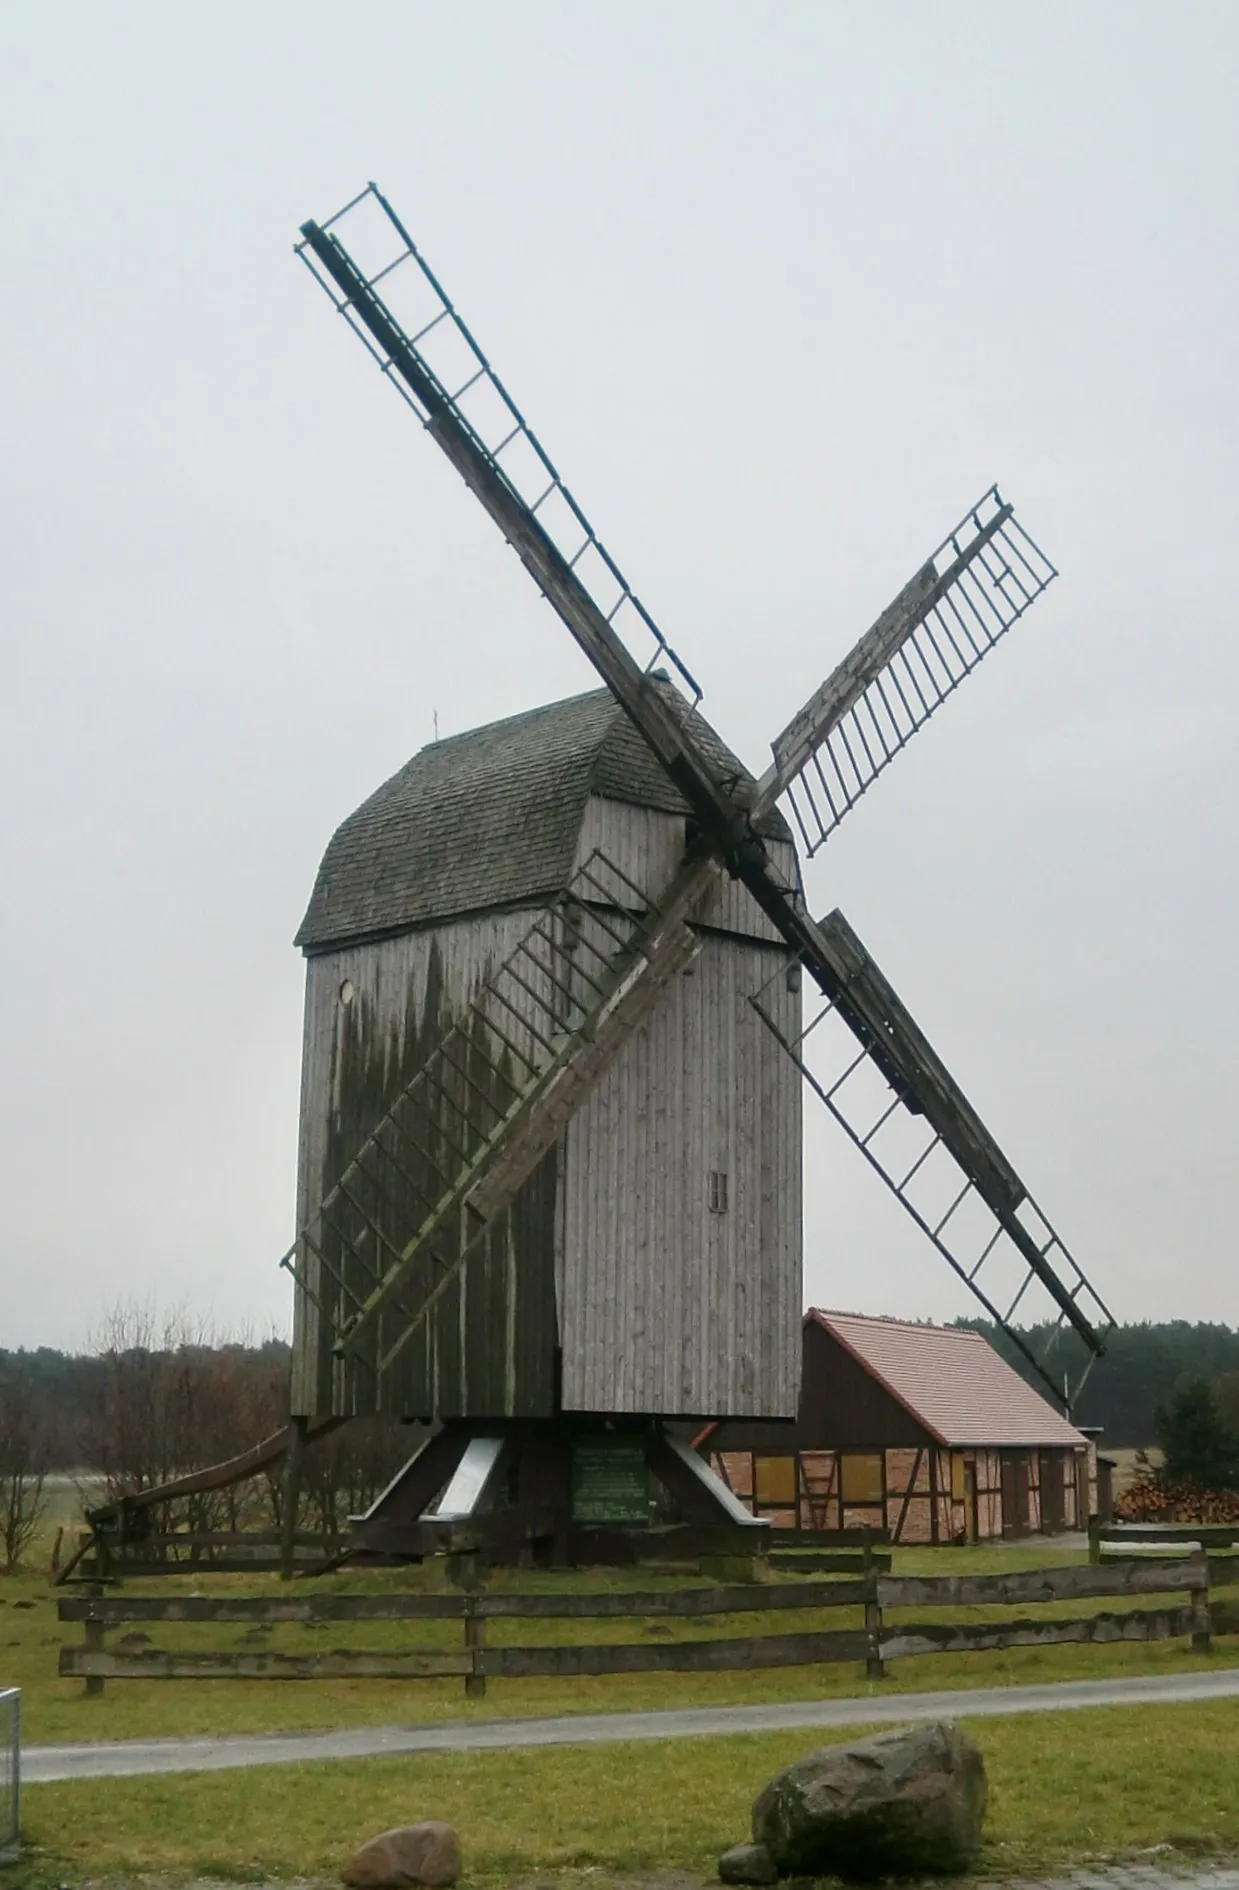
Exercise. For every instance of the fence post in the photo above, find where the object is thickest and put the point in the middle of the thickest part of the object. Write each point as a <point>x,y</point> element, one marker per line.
<point>475,1642</point>
<point>464,1571</point>
<point>1202,1620</point>
<point>1094,1538</point>
<point>874,1669</point>
<point>292,1498</point>
<point>94,1632</point>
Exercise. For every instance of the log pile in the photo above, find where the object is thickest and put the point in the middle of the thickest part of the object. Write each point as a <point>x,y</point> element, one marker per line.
<point>1152,1499</point>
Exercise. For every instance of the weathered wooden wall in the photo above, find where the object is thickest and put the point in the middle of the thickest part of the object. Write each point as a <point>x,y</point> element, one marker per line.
<point>489,1348</point>
<point>667,1306</point>
<point>648,845</point>
<point>841,1407</point>
<point>612,1251</point>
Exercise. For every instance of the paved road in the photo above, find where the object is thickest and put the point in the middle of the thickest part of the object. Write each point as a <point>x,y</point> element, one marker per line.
<point>1174,1876</point>
<point>130,1758</point>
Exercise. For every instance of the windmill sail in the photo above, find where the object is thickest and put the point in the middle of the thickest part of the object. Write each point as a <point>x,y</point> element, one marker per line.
<point>980,581</point>
<point>428,354</point>
<point>876,1073</point>
<point>960,603</point>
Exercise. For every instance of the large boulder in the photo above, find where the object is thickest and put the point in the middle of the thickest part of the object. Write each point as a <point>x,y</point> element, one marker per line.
<point>899,1803</point>
<point>411,1854</point>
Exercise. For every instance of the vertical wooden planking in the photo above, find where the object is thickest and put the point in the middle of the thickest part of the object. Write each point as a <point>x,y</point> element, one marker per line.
<point>666,1307</point>
<point>402,992</point>
<point>648,847</point>
<point>663,1306</point>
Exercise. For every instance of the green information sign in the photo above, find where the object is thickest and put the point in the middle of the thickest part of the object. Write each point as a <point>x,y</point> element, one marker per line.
<point>610,1481</point>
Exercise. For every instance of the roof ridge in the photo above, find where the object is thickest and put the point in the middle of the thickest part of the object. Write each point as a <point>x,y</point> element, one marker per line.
<point>894,1319</point>
<point>508,721</point>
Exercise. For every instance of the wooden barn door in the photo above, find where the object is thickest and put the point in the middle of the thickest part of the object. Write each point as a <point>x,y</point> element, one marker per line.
<point>1080,1471</point>
<point>1053,1492</point>
<point>1015,1480</point>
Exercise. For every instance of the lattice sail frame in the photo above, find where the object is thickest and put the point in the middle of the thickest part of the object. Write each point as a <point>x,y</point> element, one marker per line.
<point>433,330</point>
<point>978,583</point>
<point>967,595</point>
<point>983,1233</point>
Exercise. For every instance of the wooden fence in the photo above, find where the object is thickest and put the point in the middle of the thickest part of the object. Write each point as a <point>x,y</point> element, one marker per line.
<point>197,1552</point>
<point>879,1640</point>
<point>117,1552</point>
<point>1118,1538</point>
<point>830,1551</point>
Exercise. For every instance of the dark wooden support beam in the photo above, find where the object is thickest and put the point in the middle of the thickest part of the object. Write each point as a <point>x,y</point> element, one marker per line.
<point>897,1531</point>
<point>933,1493</point>
<point>217,1476</point>
<point>403,1503</point>
<point>294,1459</point>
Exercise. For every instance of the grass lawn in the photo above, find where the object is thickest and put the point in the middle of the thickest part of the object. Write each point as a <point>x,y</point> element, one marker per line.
<point>1065,1788</point>
<point>57,1711</point>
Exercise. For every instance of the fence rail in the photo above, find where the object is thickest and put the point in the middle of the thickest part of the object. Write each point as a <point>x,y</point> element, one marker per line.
<point>1108,1538</point>
<point>109,1556</point>
<point>879,1640</point>
<point>116,1552</point>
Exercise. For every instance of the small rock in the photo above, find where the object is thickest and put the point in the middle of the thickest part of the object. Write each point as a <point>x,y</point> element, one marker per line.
<point>897,1804</point>
<point>747,1863</point>
<point>426,1853</point>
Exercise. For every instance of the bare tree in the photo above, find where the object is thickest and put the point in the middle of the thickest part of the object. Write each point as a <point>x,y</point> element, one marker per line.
<point>346,1471</point>
<point>170,1395</point>
<point>24,1450</point>
<point>162,1402</point>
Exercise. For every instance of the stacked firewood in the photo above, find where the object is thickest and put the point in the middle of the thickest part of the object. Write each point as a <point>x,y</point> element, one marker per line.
<point>1153,1499</point>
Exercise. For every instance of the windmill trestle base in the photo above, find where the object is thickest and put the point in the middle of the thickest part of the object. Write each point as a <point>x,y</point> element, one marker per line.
<point>558,1493</point>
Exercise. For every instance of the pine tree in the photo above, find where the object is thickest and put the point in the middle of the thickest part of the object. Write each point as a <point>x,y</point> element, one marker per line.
<point>1200,1446</point>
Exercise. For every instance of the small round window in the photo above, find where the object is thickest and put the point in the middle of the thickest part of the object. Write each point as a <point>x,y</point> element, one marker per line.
<point>347,992</point>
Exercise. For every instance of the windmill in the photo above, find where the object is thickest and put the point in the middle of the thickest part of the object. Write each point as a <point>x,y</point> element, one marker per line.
<point>485,1015</point>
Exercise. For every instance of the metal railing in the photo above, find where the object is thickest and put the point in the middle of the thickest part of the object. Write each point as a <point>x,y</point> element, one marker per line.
<point>10,1773</point>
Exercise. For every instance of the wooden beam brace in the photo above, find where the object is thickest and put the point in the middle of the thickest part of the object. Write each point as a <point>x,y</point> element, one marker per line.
<point>216,1476</point>
<point>548,1108</point>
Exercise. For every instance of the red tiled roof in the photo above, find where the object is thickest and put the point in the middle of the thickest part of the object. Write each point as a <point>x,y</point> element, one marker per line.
<point>952,1381</point>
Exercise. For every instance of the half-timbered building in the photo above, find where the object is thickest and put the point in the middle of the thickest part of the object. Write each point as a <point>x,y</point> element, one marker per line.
<point>921,1430</point>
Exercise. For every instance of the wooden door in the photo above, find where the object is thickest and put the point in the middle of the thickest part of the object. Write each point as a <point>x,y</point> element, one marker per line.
<point>970,1499</point>
<point>1015,1479</point>
<point>1053,1492</point>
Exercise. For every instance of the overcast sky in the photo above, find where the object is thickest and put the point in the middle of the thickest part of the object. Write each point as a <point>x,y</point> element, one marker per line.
<point>783,289</point>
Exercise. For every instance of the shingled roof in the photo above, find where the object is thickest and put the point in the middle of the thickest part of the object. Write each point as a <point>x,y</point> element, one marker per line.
<point>952,1381</point>
<point>490,818</point>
